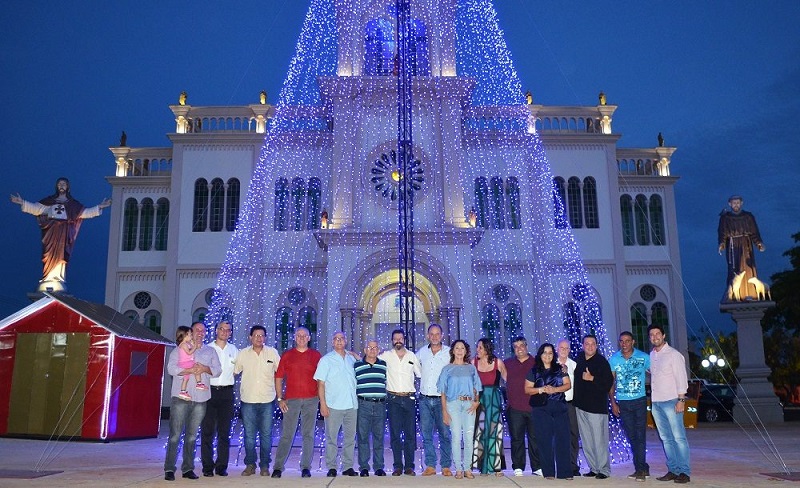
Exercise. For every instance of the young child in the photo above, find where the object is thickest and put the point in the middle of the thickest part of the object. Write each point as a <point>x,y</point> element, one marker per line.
<point>186,349</point>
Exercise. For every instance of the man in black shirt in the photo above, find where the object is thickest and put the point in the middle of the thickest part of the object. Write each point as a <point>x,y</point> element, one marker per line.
<point>593,381</point>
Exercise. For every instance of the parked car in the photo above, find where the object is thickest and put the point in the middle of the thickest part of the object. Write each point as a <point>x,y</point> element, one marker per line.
<point>716,402</point>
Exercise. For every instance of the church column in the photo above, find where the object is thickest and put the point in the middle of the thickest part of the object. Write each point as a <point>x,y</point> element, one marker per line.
<point>349,324</point>
<point>449,319</point>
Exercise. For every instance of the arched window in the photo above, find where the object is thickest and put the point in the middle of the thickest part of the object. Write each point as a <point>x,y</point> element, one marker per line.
<point>283,328</point>
<point>574,202</point>
<point>200,210</point>
<point>380,48</point>
<point>559,199</point>
<point>482,202</point>
<point>232,204</point>
<point>152,320</point>
<point>657,220</point>
<point>130,224</point>
<point>660,316</point>
<point>639,326</point>
<point>146,225</point>
<point>418,49</point>
<point>313,204</point>
<point>490,324</point>
<point>590,211</point>
<point>497,203</point>
<point>642,224</point>
<point>162,224</point>
<point>132,315</point>
<point>573,328</point>
<point>298,202</point>
<point>199,315</point>
<point>626,209</point>
<point>512,322</point>
<point>308,318</point>
<point>281,204</point>
<point>512,195</point>
<point>217,205</point>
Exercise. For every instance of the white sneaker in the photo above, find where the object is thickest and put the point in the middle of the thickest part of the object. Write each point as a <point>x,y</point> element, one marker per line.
<point>538,472</point>
<point>518,472</point>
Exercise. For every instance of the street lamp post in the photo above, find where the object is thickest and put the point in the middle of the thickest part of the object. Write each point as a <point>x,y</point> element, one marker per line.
<point>714,363</point>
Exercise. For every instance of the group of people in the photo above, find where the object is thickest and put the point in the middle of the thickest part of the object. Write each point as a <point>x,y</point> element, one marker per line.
<point>552,401</point>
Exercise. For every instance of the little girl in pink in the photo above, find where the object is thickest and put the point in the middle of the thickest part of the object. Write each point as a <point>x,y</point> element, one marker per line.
<point>186,350</point>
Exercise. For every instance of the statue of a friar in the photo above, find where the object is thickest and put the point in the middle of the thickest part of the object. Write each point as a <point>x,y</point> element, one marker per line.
<point>738,235</point>
<point>59,216</point>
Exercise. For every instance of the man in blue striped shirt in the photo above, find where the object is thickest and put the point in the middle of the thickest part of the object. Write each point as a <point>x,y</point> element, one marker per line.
<point>371,392</point>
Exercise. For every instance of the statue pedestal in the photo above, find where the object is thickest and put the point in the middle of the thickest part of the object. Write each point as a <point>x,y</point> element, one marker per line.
<point>756,401</point>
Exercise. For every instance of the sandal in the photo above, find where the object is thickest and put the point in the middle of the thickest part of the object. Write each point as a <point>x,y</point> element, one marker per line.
<point>459,475</point>
<point>469,475</point>
<point>498,474</point>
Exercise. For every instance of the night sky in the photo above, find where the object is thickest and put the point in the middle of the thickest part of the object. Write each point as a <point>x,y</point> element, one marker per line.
<point>721,81</point>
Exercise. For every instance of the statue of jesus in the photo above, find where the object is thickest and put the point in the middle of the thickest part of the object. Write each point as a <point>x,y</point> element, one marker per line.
<point>59,217</point>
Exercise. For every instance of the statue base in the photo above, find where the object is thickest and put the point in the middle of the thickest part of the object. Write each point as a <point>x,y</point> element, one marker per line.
<point>756,401</point>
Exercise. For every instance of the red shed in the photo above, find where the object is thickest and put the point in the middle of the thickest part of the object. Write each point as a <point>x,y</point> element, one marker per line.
<point>79,370</point>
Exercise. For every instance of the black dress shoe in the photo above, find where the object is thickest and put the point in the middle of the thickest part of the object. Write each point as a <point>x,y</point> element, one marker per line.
<point>364,473</point>
<point>670,476</point>
<point>331,473</point>
<point>380,472</point>
<point>349,472</point>
<point>576,472</point>
<point>222,472</point>
<point>208,474</point>
<point>169,476</point>
<point>682,478</point>
<point>276,473</point>
<point>601,476</point>
<point>306,473</point>
<point>190,475</point>
<point>409,472</point>
<point>590,474</point>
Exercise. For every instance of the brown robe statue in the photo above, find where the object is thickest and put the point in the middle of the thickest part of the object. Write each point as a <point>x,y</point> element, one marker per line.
<point>737,235</point>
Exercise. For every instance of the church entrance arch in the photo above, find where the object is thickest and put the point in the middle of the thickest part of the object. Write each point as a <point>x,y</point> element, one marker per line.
<point>370,300</point>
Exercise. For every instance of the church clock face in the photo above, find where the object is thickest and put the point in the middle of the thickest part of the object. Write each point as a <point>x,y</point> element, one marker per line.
<point>385,177</point>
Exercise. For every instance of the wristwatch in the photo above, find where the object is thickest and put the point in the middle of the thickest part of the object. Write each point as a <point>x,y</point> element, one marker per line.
<point>682,400</point>
<point>280,399</point>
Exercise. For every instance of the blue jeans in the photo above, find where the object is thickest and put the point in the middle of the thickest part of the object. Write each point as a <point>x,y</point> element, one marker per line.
<point>257,419</point>
<point>371,423</point>
<point>183,416</point>
<point>462,423</point>
<point>633,414</point>
<point>402,430</point>
<point>430,417</point>
<point>673,436</point>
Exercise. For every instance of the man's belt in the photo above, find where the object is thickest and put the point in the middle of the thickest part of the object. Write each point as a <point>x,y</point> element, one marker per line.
<point>367,399</point>
<point>400,393</point>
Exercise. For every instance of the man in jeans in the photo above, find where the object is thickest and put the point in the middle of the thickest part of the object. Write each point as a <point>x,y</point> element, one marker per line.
<point>432,358</point>
<point>257,364</point>
<point>296,371</point>
<point>185,416</point>
<point>669,383</point>
<point>629,400</point>
<point>518,413</point>
<point>371,392</point>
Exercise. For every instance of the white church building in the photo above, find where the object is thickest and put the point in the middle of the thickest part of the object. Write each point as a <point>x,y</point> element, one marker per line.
<point>529,219</point>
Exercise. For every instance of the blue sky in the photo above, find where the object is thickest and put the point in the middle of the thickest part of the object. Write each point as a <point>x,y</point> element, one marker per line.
<point>721,81</point>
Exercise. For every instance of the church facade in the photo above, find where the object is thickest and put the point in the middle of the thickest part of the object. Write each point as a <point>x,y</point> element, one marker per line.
<point>285,215</point>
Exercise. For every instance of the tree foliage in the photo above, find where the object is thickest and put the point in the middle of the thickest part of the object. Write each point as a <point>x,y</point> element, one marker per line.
<point>782,328</point>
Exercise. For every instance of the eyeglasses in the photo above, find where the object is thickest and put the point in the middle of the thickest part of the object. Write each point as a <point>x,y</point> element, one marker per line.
<point>372,348</point>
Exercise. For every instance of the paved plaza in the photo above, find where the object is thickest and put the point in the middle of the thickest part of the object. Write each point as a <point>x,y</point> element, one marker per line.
<point>723,455</point>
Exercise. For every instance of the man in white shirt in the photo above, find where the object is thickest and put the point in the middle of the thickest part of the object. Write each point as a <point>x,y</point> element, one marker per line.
<point>219,410</point>
<point>257,364</point>
<point>565,361</point>
<point>432,358</point>
<point>402,366</point>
